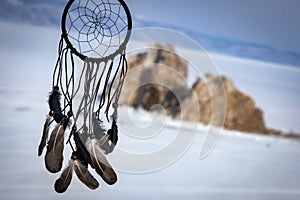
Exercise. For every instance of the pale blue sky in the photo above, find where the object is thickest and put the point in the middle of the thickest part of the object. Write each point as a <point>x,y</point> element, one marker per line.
<point>275,23</point>
<point>33,31</point>
<point>268,22</point>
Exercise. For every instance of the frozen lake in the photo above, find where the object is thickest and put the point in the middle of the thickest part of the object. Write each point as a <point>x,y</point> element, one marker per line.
<point>239,167</point>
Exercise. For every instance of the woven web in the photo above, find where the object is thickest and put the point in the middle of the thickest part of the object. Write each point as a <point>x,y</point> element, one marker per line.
<point>96,28</point>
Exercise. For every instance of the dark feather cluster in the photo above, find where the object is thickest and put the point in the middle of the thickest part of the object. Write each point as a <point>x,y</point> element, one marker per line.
<point>92,152</point>
<point>54,105</point>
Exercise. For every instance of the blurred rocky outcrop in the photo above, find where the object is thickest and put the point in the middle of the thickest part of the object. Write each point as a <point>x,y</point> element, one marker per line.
<point>159,76</point>
<point>220,102</point>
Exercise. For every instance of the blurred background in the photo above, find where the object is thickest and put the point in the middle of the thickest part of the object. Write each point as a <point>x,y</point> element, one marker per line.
<point>255,44</point>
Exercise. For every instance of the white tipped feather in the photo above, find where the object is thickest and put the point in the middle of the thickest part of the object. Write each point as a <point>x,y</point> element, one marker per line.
<point>101,165</point>
<point>103,140</point>
<point>62,184</point>
<point>85,176</point>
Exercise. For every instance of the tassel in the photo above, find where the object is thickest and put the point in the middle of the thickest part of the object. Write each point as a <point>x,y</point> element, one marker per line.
<point>84,175</point>
<point>44,136</point>
<point>101,165</point>
<point>62,184</point>
<point>81,149</point>
<point>54,154</point>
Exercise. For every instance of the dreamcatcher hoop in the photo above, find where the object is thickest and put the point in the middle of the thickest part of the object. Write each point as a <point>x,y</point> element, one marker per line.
<point>93,31</point>
<point>122,46</point>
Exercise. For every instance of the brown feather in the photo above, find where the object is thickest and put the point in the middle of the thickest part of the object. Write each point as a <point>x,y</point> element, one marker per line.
<point>62,184</point>
<point>44,136</point>
<point>85,176</point>
<point>54,154</point>
<point>81,149</point>
<point>102,141</point>
<point>102,166</point>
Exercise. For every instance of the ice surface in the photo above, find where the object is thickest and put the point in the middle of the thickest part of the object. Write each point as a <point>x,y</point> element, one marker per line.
<point>239,167</point>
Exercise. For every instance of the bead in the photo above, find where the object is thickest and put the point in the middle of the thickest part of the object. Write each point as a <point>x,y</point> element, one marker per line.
<point>56,88</point>
<point>92,136</point>
<point>74,157</point>
<point>70,114</point>
<point>74,128</point>
<point>51,113</point>
<point>115,105</point>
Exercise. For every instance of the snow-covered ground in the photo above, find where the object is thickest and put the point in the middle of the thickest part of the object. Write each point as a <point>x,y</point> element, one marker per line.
<point>239,167</point>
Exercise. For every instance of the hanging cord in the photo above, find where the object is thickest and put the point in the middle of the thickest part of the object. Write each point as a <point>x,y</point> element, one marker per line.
<point>93,97</point>
<point>72,81</point>
<point>75,92</point>
<point>90,74</point>
<point>80,107</point>
<point>57,79</point>
<point>103,95</point>
<point>97,88</point>
<point>60,47</point>
<point>57,73</point>
<point>64,90</point>
<point>109,98</point>
<point>88,78</point>
<point>67,80</point>
<point>117,93</point>
<point>86,93</point>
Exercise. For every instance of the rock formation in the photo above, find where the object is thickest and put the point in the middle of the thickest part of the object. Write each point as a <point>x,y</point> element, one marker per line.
<point>240,111</point>
<point>159,76</point>
<point>153,77</point>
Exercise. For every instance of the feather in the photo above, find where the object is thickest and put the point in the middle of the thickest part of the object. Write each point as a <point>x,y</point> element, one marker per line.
<point>104,144</point>
<point>54,105</point>
<point>102,167</point>
<point>62,184</point>
<point>84,175</point>
<point>44,136</point>
<point>113,132</point>
<point>103,141</point>
<point>81,149</point>
<point>84,134</point>
<point>98,130</point>
<point>54,154</point>
<point>113,135</point>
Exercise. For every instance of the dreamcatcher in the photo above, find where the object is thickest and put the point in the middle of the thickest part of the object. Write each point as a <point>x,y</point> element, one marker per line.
<point>97,32</point>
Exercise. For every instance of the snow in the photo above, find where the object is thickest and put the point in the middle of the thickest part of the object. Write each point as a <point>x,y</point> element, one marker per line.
<point>240,166</point>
